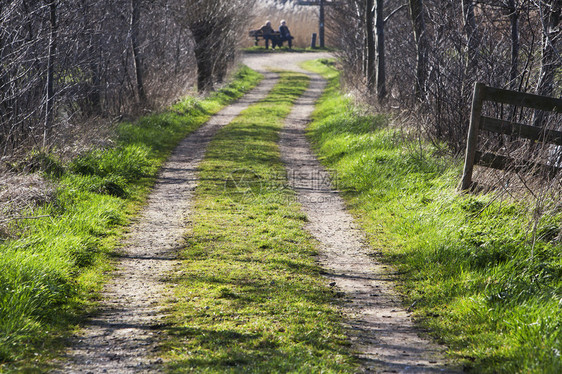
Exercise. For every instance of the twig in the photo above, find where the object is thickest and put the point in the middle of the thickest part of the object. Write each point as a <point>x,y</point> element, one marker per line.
<point>394,12</point>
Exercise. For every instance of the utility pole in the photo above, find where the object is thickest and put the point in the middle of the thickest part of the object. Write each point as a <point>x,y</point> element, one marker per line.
<point>321,24</point>
<point>321,16</point>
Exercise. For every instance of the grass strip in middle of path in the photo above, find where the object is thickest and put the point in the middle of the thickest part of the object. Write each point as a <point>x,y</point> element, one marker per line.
<point>249,295</point>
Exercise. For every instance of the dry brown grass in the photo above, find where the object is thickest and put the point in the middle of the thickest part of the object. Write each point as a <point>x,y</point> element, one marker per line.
<point>302,21</point>
<point>20,192</point>
<point>165,90</point>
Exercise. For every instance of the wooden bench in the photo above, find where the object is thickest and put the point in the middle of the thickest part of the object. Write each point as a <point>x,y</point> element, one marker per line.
<point>258,35</point>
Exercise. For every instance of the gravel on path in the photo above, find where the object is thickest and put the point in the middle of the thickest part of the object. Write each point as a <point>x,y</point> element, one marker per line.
<point>123,336</point>
<point>381,330</point>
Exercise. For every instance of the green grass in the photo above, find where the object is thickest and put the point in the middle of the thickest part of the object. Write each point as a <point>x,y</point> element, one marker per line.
<point>471,267</point>
<point>249,296</point>
<point>51,267</point>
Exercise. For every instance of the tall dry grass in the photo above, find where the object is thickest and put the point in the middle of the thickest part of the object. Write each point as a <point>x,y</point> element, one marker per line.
<point>302,20</point>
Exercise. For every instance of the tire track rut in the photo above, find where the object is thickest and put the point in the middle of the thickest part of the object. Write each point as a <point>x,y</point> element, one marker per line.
<point>381,330</point>
<point>123,336</point>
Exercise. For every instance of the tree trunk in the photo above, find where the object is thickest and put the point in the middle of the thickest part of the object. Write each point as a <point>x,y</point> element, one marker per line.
<point>204,72</point>
<point>370,46</point>
<point>137,60</point>
<point>94,94</point>
<point>549,59</point>
<point>4,115</point>
<point>204,63</point>
<point>514,63</point>
<point>49,97</point>
<point>420,37</point>
<point>379,50</point>
<point>93,60</point>
<point>550,18</point>
<point>472,37</point>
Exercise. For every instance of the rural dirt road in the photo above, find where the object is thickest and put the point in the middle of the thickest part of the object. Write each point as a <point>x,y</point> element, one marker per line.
<point>123,337</point>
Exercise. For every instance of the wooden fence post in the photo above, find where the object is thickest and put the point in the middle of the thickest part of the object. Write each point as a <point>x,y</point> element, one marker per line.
<point>497,160</point>
<point>477,99</point>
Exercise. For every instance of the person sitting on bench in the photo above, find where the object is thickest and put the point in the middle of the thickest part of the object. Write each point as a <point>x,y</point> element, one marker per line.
<point>285,34</point>
<point>267,34</point>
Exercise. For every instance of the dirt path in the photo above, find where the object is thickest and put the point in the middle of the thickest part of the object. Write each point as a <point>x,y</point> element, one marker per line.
<point>123,337</point>
<point>381,330</point>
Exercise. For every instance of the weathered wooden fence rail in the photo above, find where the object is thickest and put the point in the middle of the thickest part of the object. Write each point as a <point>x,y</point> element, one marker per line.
<point>479,122</point>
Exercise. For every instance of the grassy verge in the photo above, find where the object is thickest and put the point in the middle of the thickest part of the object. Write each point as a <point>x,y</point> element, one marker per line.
<point>51,266</point>
<point>474,270</point>
<point>249,296</point>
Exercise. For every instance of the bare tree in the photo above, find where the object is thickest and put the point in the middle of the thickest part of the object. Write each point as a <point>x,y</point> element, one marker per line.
<point>550,58</point>
<point>216,28</point>
<point>360,38</point>
<point>420,37</point>
<point>370,45</point>
<point>63,62</point>
<point>472,41</point>
<point>513,10</point>
<point>444,46</point>
<point>135,48</point>
<point>380,49</point>
<point>549,11</point>
<point>49,97</point>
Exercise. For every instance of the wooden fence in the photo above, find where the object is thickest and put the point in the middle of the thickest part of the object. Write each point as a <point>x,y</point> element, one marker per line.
<point>479,122</point>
